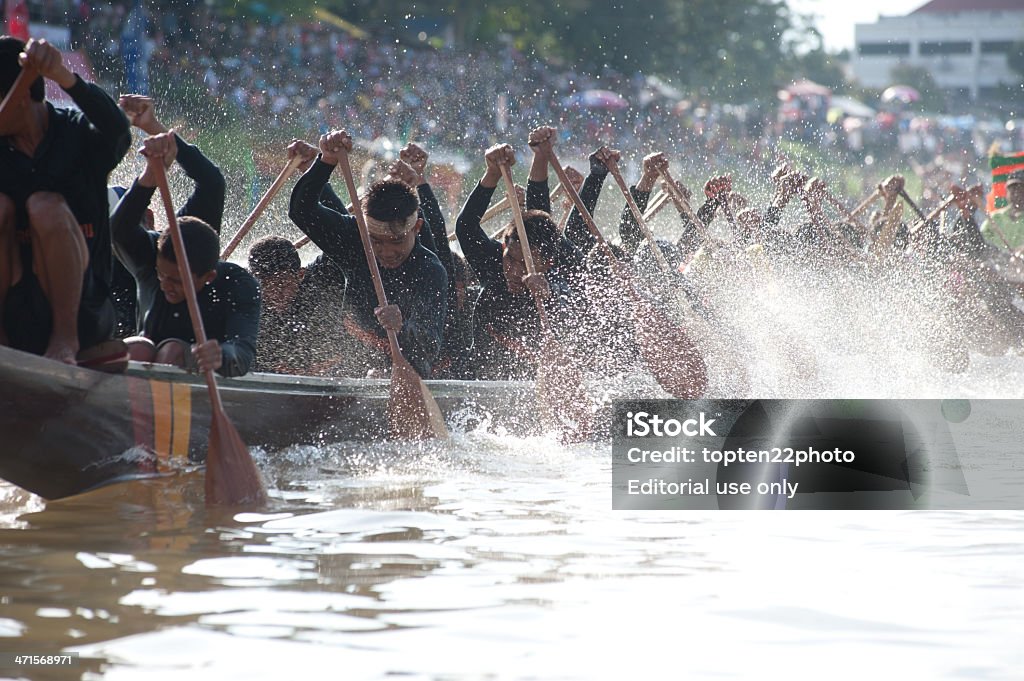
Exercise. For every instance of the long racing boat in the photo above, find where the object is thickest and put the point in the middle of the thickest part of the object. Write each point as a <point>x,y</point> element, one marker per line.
<point>65,430</point>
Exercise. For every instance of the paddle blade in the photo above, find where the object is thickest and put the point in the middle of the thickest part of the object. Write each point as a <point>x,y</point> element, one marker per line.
<point>413,413</point>
<point>232,478</point>
<point>669,353</point>
<point>561,395</point>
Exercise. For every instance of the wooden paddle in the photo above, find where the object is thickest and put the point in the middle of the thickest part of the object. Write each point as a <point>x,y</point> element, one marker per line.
<point>524,239</point>
<point>413,413</point>
<point>613,168</point>
<point>682,205</point>
<point>883,243</point>
<point>680,368</point>
<point>261,206</point>
<point>656,205</point>
<point>19,90</point>
<point>910,202</point>
<point>866,203</point>
<point>925,220</point>
<point>501,206</point>
<point>564,222</point>
<point>838,205</point>
<point>559,381</point>
<point>231,475</point>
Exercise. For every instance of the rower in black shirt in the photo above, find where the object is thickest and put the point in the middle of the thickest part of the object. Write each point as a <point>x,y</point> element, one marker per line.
<point>55,261</point>
<point>453,361</point>
<point>413,278</point>
<point>206,202</point>
<point>228,296</point>
<point>506,325</point>
<point>302,312</point>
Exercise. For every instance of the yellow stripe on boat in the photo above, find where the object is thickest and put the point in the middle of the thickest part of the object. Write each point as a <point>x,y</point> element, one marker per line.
<point>162,419</point>
<point>182,396</point>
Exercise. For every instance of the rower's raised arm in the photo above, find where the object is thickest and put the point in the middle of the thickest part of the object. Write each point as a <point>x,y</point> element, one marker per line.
<point>576,230</point>
<point>482,252</point>
<point>109,131</point>
<point>112,134</point>
<point>133,244</point>
<point>538,193</point>
<point>308,153</point>
<point>416,157</point>
<point>786,187</point>
<point>629,230</point>
<point>207,199</point>
<point>335,234</point>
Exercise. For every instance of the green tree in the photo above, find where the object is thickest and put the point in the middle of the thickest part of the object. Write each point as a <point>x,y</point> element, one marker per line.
<point>726,49</point>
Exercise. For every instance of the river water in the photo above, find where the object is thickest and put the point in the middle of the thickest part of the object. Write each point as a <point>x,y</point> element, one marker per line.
<point>499,558</point>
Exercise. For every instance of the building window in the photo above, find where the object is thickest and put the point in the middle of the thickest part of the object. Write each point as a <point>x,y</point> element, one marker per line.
<point>993,92</point>
<point>943,48</point>
<point>996,46</point>
<point>883,49</point>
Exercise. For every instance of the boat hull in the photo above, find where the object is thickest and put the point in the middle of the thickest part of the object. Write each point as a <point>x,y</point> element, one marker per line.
<point>65,430</point>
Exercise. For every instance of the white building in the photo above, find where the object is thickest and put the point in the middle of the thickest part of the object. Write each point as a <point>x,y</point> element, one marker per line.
<point>963,43</point>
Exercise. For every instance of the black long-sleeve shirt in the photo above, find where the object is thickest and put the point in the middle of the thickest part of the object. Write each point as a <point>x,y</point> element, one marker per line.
<point>305,338</point>
<point>307,334</point>
<point>74,159</point>
<point>419,286</point>
<point>629,229</point>
<point>576,230</point>
<point>506,327</point>
<point>229,305</point>
<point>207,199</point>
<point>434,218</point>
<point>458,327</point>
<point>206,203</point>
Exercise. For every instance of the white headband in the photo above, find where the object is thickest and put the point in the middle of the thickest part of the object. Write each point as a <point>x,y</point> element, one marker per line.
<point>395,228</point>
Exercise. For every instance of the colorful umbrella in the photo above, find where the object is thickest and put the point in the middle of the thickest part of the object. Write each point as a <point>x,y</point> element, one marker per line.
<point>596,99</point>
<point>900,93</point>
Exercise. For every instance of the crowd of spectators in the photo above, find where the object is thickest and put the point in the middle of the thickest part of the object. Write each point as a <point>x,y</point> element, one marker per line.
<point>315,76</point>
<point>306,77</point>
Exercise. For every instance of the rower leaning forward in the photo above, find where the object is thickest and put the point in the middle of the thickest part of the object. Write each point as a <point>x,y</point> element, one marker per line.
<point>413,278</point>
<point>55,252</point>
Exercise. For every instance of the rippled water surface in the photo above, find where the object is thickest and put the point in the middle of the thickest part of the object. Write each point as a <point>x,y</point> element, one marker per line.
<point>497,558</point>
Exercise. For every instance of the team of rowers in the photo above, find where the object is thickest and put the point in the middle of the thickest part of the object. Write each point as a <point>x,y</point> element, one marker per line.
<point>81,263</point>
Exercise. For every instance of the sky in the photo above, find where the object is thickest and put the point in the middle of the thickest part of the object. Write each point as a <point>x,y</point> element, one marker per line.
<point>837,17</point>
